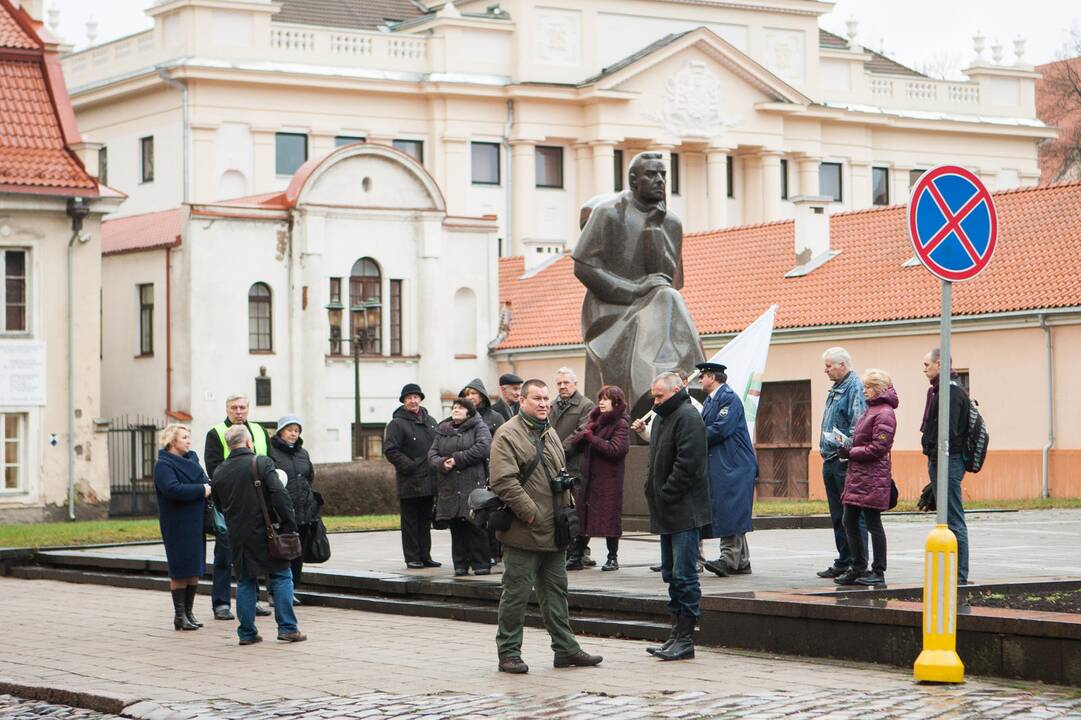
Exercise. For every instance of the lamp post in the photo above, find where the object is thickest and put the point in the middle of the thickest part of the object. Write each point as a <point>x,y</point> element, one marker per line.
<point>359,340</point>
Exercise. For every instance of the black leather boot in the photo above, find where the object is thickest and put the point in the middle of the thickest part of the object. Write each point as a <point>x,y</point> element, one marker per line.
<point>189,603</point>
<point>671,637</point>
<point>180,618</point>
<point>682,648</point>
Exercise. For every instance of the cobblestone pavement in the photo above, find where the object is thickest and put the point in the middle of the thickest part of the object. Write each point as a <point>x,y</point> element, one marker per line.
<point>100,640</point>
<point>13,708</point>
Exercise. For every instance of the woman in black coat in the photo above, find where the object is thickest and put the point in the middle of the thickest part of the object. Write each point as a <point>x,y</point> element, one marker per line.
<point>182,488</point>
<point>288,453</point>
<point>458,455</point>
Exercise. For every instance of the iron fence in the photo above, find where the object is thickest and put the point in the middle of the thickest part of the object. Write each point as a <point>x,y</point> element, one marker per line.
<point>133,449</point>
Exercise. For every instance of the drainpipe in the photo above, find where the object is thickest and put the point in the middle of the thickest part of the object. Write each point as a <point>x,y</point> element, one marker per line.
<point>77,210</point>
<point>183,88</point>
<point>168,334</point>
<point>509,174</point>
<point>1049,367</point>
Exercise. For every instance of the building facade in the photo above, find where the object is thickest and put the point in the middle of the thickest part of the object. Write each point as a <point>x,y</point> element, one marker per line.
<point>355,270</point>
<point>524,111</point>
<point>54,459</point>
<point>1017,333</point>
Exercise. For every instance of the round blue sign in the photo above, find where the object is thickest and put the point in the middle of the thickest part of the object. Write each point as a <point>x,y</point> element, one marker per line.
<point>952,223</point>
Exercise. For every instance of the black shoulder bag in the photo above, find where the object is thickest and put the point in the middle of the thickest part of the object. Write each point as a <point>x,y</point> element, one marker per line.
<point>565,526</point>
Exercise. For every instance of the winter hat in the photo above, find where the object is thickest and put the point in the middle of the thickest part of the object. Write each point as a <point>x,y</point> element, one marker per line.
<point>288,420</point>
<point>510,379</point>
<point>410,389</point>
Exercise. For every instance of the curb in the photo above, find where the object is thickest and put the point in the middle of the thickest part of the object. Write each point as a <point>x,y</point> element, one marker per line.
<point>97,701</point>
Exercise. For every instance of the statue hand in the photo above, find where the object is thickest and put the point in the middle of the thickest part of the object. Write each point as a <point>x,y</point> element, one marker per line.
<point>654,280</point>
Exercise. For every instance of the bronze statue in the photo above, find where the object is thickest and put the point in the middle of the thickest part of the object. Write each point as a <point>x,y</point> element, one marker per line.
<point>635,324</point>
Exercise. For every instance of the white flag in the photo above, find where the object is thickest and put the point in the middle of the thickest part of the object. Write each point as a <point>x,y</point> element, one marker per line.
<point>745,357</point>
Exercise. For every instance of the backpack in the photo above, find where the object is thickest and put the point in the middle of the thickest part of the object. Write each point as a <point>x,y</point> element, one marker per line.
<point>975,440</point>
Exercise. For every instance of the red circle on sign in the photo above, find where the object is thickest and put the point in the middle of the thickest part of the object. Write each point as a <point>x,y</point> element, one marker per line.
<point>926,191</point>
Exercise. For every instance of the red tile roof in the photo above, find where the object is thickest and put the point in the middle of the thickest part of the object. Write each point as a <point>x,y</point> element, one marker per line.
<point>141,232</point>
<point>37,123</point>
<point>733,275</point>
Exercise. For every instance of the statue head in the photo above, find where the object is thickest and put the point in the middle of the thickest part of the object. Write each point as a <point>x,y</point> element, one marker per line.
<point>648,178</point>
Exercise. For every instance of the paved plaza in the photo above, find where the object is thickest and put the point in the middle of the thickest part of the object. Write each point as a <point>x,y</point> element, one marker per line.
<point>119,643</point>
<point>1004,546</point>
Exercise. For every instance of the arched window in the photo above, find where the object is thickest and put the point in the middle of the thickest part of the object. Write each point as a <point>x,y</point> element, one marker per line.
<point>260,315</point>
<point>465,323</point>
<point>366,307</point>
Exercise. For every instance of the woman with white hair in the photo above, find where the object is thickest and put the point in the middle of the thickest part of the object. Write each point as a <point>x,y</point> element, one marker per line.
<point>182,488</point>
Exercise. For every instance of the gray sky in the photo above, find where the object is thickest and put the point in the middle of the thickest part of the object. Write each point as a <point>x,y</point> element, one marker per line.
<point>913,32</point>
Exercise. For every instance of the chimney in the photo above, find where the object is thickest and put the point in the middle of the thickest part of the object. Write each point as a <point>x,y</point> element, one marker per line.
<point>89,153</point>
<point>812,233</point>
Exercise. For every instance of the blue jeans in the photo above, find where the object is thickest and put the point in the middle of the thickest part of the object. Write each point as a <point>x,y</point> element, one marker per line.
<point>679,568</point>
<point>833,476</point>
<point>955,515</point>
<point>223,572</point>
<point>247,592</point>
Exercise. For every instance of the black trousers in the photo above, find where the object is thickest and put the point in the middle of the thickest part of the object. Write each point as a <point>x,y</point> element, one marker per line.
<point>416,521</point>
<point>857,546</point>
<point>612,542</point>
<point>468,545</point>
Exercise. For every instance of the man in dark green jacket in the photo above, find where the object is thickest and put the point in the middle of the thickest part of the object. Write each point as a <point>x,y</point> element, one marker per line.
<point>530,556</point>
<point>677,492</point>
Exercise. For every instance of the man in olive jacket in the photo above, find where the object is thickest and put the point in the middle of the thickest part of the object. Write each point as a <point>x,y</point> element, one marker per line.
<point>677,492</point>
<point>530,556</point>
<point>235,491</point>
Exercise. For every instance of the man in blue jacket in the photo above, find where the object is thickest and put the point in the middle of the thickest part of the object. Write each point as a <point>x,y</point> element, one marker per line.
<point>732,471</point>
<point>844,405</point>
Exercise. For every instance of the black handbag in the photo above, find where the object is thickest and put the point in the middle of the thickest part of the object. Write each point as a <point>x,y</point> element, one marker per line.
<point>213,520</point>
<point>893,494</point>
<point>316,543</point>
<point>282,546</point>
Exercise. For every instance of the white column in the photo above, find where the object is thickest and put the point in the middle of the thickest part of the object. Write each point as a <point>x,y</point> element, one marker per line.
<point>604,173</point>
<point>717,187</point>
<point>752,190</point>
<point>524,177</point>
<point>899,184</point>
<point>859,194</point>
<point>808,176</point>
<point>771,185</point>
<point>583,155</point>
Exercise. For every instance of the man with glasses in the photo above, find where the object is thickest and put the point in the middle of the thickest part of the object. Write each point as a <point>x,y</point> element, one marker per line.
<point>214,454</point>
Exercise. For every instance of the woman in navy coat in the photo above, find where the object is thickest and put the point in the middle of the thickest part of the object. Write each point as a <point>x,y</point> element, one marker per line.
<point>182,487</point>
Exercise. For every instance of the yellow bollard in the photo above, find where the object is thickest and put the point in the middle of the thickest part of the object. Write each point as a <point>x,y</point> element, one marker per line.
<point>939,661</point>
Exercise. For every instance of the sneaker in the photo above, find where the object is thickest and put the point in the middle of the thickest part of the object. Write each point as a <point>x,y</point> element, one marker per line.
<point>293,637</point>
<point>222,612</point>
<point>832,571</point>
<point>611,565</point>
<point>718,567</point>
<point>414,565</point>
<point>513,665</point>
<point>251,640</point>
<point>578,659</point>
<point>744,570</point>
<point>262,610</point>
<point>850,577</point>
<point>872,579</point>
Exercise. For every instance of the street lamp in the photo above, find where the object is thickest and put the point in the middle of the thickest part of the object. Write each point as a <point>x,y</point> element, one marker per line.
<point>360,313</point>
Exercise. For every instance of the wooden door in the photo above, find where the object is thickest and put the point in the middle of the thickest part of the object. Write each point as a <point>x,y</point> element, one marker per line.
<point>783,439</point>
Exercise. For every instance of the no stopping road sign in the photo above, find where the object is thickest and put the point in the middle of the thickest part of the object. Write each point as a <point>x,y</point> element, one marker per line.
<point>952,223</point>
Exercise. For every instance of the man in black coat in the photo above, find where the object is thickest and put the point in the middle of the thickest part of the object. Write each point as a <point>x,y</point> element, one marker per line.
<point>510,392</point>
<point>236,487</point>
<point>408,438</point>
<point>677,492</point>
<point>214,453</point>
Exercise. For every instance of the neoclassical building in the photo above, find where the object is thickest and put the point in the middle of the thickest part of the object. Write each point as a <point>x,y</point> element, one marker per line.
<point>355,270</point>
<point>523,110</point>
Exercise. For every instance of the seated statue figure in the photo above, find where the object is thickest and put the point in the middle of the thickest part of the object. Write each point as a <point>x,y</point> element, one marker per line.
<point>635,324</point>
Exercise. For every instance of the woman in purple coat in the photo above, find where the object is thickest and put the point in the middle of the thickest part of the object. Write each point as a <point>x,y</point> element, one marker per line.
<point>869,479</point>
<point>604,443</point>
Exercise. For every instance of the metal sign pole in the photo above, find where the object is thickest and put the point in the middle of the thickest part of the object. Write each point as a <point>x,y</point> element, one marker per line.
<point>939,661</point>
<point>942,460</point>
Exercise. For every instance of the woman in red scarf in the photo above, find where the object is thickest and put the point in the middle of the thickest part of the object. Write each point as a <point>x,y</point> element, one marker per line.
<point>603,443</point>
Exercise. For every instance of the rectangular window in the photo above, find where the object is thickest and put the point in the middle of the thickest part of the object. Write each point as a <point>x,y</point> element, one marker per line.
<point>14,290</point>
<point>673,174</point>
<point>914,176</point>
<point>368,443</point>
<point>549,166</point>
<point>290,152</point>
<point>343,140</point>
<point>412,148</point>
<point>262,391</point>
<point>829,180</point>
<point>880,186</point>
<point>485,156</point>
<point>146,319</point>
<point>617,162</point>
<point>730,175</point>
<point>13,432</point>
<point>784,178</point>
<point>395,317</point>
<point>146,147</point>
<point>103,166</point>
